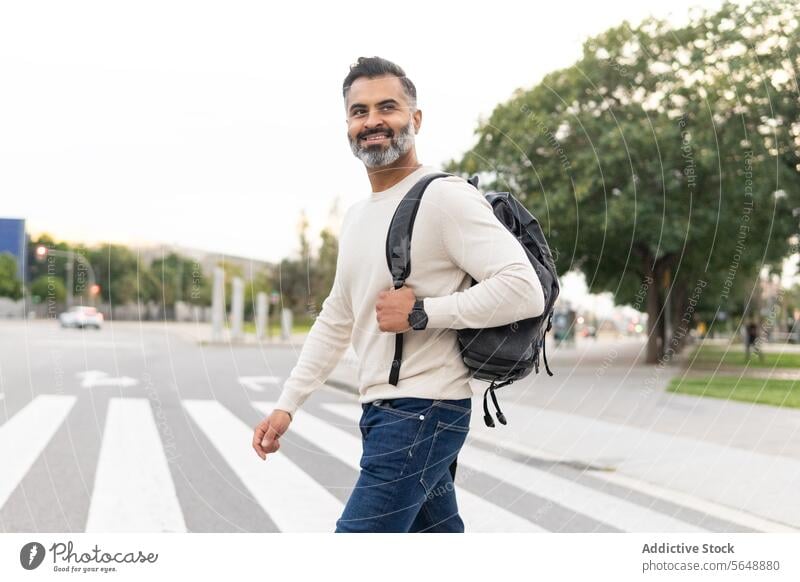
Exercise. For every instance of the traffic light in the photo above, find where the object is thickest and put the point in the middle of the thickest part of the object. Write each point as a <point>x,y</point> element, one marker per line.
<point>94,290</point>
<point>41,252</point>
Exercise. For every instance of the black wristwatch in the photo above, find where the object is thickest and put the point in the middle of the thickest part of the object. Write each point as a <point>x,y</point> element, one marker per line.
<point>418,319</point>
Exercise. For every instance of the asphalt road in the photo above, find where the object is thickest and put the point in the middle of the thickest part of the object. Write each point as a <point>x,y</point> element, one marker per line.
<point>138,427</point>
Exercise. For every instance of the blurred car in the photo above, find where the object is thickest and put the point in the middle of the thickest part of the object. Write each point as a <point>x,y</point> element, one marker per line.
<point>564,326</point>
<point>81,316</point>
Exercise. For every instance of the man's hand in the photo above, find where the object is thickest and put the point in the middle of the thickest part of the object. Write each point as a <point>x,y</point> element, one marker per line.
<point>393,307</point>
<point>267,433</point>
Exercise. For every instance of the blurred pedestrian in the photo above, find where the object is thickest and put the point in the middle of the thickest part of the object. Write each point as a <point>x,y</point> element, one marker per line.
<point>753,341</point>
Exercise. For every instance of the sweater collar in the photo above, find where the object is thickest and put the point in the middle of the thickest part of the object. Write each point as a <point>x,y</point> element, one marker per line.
<point>403,185</point>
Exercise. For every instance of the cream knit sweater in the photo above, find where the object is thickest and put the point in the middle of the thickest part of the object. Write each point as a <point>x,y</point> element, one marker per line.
<point>456,235</point>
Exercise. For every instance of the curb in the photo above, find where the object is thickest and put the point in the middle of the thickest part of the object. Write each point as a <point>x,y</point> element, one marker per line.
<point>252,343</point>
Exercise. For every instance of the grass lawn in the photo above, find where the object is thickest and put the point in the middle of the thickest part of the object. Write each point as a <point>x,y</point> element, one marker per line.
<point>785,393</point>
<point>710,356</point>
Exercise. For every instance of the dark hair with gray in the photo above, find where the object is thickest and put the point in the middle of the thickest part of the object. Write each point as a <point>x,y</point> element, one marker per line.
<point>372,67</point>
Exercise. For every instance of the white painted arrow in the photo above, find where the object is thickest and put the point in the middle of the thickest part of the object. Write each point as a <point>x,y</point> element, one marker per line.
<point>93,378</point>
<point>257,383</point>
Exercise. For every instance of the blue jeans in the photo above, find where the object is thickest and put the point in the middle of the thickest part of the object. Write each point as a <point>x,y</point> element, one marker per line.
<point>407,467</point>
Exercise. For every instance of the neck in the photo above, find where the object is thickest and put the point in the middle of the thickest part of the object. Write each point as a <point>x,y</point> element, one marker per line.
<point>385,177</point>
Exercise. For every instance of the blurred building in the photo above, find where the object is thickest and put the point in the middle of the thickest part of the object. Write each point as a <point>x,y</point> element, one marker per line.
<point>207,260</point>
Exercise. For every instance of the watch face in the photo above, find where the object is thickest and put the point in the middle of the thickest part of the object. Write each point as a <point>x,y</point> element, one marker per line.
<point>418,318</point>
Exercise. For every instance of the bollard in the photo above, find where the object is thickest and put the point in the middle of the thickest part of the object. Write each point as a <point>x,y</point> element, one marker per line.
<point>262,313</point>
<point>286,324</point>
<point>237,309</point>
<point>218,304</point>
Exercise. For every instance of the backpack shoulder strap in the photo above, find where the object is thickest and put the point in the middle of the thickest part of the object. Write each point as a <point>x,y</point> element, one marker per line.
<point>398,241</point>
<point>398,252</point>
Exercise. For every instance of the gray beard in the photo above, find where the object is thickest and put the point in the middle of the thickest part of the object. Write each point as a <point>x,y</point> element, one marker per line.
<point>374,157</point>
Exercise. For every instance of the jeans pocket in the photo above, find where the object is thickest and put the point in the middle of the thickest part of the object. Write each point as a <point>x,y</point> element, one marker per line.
<point>404,407</point>
<point>390,441</point>
<point>446,443</point>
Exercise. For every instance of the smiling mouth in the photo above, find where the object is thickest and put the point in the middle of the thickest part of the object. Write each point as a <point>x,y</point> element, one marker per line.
<point>375,138</point>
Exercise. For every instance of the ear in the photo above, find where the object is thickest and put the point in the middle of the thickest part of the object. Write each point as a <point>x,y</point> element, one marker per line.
<point>417,120</point>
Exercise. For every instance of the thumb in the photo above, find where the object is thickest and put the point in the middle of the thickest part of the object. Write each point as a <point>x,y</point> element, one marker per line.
<point>269,436</point>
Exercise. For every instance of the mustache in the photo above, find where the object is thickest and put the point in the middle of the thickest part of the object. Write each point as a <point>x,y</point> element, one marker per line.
<point>365,134</point>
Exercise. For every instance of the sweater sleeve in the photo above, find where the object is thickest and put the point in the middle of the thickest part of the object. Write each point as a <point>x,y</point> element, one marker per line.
<point>508,288</point>
<point>324,346</point>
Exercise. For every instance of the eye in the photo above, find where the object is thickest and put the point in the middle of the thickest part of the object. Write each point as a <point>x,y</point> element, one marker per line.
<point>387,107</point>
<point>358,113</point>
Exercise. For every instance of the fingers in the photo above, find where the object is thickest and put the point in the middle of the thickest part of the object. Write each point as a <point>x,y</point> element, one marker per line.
<point>258,436</point>
<point>269,442</point>
<point>265,440</point>
<point>272,446</point>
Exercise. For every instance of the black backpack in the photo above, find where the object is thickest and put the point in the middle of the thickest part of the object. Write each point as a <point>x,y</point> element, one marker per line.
<point>500,355</point>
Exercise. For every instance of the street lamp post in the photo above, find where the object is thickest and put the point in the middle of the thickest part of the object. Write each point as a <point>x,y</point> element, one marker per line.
<point>71,256</point>
<point>70,283</point>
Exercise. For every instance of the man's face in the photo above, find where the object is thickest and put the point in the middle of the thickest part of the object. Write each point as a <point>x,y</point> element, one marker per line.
<point>380,124</point>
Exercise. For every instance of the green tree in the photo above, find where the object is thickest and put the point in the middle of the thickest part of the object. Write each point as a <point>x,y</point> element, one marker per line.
<point>10,285</point>
<point>39,266</point>
<point>179,279</point>
<point>260,282</point>
<point>118,271</point>
<point>48,288</point>
<point>325,270</point>
<point>325,266</point>
<point>294,276</point>
<point>664,158</point>
<point>292,282</point>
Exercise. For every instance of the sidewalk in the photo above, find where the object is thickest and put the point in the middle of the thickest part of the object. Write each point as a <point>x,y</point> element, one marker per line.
<point>605,409</point>
<point>201,333</point>
<point>737,372</point>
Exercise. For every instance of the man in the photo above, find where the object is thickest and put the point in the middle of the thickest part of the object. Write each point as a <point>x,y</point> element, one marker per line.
<point>413,430</point>
<point>752,341</point>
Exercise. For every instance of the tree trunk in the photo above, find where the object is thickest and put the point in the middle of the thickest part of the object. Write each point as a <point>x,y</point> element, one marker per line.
<point>655,329</point>
<point>679,302</point>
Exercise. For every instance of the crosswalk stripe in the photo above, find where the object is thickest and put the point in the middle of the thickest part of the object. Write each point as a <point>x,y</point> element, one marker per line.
<point>704,506</point>
<point>133,488</point>
<point>291,497</point>
<point>603,507</point>
<point>347,448</point>
<point>600,506</point>
<point>750,481</point>
<point>700,505</point>
<point>257,383</point>
<point>585,438</point>
<point>25,435</point>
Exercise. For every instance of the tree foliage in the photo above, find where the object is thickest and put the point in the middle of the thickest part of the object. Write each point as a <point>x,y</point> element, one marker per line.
<point>48,289</point>
<point>10,285</point>
<point>665,161</point>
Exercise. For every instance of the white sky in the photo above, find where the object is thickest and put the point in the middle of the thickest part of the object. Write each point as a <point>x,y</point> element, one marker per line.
<point>212,125</point>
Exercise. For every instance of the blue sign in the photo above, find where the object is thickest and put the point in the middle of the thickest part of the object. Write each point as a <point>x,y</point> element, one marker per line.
<point>12,240</point>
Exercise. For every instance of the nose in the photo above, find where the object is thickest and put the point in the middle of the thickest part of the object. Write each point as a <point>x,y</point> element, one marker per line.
<point>374,119</point>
